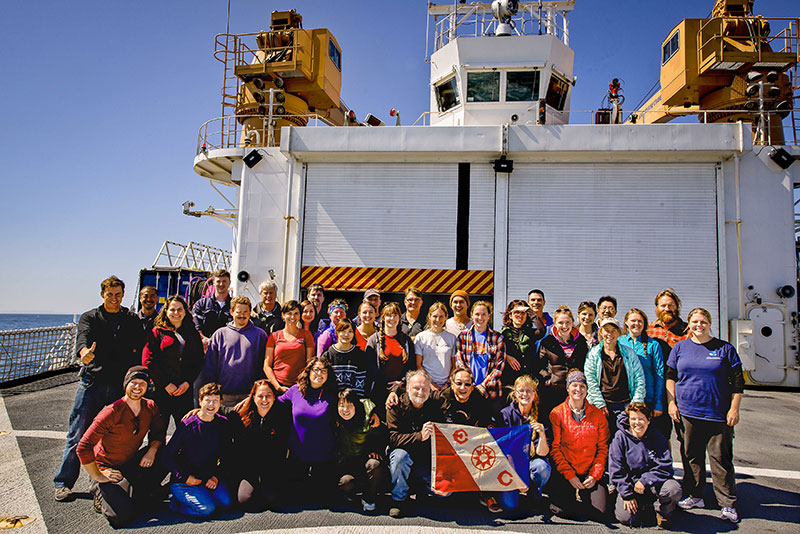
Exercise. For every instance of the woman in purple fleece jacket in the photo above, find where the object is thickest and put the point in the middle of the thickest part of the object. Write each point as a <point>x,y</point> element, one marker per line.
<point>311,463</point>
<point>640,465</point>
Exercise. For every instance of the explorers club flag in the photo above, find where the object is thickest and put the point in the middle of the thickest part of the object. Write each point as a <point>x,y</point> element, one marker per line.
<point>468,458</point>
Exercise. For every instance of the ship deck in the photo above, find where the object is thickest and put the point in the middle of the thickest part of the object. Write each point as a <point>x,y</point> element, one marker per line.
<point>33,421</point>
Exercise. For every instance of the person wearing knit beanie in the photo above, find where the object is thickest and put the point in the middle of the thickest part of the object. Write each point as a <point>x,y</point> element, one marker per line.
<point>459,303</point>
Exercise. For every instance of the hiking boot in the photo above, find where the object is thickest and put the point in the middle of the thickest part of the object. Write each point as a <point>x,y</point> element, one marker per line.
<point>396,510</point>
<point>729,514</point>
<point>691,502</point>
<point>492,504</point>
<point>62,493</point>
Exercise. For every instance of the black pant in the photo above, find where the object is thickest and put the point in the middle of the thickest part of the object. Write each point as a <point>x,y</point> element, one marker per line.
<point>311,481</point>
<point>565,498</point>
<point>119,500</point>
<point>177,407</point>
<point>696,436</point>
<point>355,471</point>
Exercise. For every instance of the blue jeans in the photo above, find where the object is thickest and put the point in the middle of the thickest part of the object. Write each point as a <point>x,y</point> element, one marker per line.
<point>199,501</point>
<point>401,467</point>
<point>539,473</point>
<point>91,397</point>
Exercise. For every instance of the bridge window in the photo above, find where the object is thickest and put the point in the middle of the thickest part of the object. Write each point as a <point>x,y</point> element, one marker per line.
<point>447,94</point>
<point>522,86</point>
<point>335,54</point>
<point>483,86</point>
<point>557,92</point>
<point>670,47</point>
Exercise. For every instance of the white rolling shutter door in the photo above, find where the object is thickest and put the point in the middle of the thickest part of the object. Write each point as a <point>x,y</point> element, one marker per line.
<point>481,217</point>
<point>568,235</point>
<point>381,215</point>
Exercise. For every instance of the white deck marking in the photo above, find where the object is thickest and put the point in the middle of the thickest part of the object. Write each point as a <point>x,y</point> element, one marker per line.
<point>16,490</point>
<point>753,471</point>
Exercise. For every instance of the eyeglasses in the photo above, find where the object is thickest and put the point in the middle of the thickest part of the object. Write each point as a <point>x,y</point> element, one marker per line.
<point>463,384</point>
<point>413,299</point>
<point>135,425</point>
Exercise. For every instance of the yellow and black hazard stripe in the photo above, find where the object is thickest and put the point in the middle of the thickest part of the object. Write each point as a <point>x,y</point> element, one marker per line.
<point>398,280</point>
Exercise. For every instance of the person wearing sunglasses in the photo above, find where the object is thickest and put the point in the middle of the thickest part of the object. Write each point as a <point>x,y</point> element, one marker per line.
<point>519,338</point>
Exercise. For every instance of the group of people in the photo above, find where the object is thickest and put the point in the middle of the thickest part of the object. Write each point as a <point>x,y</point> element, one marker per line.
<point>286,402</point>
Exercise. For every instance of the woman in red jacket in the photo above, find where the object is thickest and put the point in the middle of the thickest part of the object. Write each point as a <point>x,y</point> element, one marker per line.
<point>579,452</point>
<point>173,352</point>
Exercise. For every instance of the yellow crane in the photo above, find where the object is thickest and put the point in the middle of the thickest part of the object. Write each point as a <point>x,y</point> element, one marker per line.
<point>731,67</point>
<point>283,76</point>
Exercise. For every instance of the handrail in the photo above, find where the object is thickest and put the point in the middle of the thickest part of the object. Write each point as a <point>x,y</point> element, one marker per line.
<point>32,351</point>
<point>206,142</point>
<point>229,133</point>
<point>476,19</point>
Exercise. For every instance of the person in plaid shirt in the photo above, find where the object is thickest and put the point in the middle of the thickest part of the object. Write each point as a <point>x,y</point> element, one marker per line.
<point>480,349</point>
<point>668,328</point>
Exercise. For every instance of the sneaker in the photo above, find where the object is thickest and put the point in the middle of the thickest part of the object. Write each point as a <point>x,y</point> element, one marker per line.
<point>396,511</point>
<point>729,514</point>
<point>691,502</point>
<point>492,504</point>
<point>367,506</point>
<point>62,493</point>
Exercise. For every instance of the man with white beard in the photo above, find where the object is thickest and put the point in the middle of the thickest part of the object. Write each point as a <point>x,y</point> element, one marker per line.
<point>410,423</point>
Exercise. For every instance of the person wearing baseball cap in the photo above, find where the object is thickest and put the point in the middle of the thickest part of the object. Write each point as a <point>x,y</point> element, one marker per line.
<point>460,321</point>
<point>614,375</point>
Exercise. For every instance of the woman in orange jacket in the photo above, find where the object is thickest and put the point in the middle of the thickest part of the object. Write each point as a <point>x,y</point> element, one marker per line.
<point>579,453</point>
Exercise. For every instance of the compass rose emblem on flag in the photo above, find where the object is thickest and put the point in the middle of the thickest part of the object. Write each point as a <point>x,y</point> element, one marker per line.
<point>466,458</point>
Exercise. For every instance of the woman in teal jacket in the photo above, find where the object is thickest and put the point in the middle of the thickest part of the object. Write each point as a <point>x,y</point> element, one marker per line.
<point>614,375</point>
<point>652,359</point>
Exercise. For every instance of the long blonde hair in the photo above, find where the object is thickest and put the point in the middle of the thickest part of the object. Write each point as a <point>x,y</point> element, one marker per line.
<point>526,380</point>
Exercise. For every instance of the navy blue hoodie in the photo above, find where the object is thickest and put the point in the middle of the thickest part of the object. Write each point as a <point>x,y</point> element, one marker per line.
<point>631,459</point>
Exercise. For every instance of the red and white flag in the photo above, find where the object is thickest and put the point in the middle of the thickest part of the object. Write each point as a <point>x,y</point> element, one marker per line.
<point>468,458</point>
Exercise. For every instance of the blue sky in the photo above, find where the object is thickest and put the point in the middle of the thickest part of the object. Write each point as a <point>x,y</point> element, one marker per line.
<point>103,102</point>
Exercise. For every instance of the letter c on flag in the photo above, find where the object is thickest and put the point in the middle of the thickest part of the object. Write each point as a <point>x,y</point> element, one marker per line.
<point>460,437</point>
<point>501,478</point>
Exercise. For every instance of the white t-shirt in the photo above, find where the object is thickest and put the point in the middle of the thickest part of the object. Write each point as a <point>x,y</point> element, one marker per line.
<point>452,326</point>
<point>437,352</point>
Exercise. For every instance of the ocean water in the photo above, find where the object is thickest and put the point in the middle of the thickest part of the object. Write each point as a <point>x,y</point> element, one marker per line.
<point>14,321</point>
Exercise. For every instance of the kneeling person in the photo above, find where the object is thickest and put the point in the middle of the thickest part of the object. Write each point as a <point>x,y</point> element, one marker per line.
<point>640,466</point>
<point>193,456</point>
<point>410,424</point>
<point>124,473</point>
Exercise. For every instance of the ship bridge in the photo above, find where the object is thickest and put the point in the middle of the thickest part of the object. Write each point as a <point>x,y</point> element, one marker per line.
<point>499,63</point>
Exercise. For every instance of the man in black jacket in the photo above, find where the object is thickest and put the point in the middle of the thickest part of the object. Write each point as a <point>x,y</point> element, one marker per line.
<point>410,424</point>
<point>110,340</point>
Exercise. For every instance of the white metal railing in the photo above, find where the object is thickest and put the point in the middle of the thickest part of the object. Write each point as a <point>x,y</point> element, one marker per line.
<point>476,19</point>
<point>227,131</point>
<point>195,256</point>
<point>702,117</point>
<point>33,351</point>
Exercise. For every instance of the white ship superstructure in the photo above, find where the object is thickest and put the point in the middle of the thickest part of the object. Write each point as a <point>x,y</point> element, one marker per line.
<point>490,198</point>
